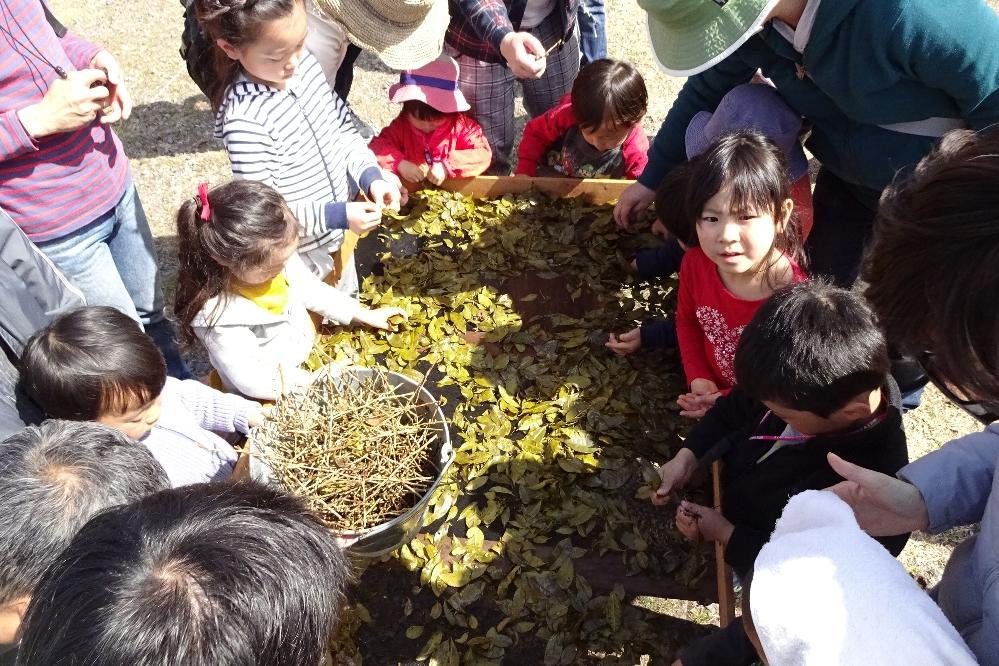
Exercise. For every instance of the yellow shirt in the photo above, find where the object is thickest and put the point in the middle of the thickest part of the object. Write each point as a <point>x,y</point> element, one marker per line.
<point>271,296</point>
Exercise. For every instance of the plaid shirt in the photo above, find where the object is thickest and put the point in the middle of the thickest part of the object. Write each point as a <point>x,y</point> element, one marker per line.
<point>478,26</point>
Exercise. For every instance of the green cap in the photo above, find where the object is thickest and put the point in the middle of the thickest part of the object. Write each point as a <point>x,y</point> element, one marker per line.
<point>689,36</point>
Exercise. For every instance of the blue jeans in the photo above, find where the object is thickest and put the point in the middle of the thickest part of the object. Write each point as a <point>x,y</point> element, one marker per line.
<point>592,31</point>
<point>112,260</point>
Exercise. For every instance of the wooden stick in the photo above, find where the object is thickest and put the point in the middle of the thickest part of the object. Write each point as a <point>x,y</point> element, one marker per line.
<point>726,595</point>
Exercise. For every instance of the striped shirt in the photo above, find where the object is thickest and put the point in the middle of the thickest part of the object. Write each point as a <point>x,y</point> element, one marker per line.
<point>302,142</point>
<point>57,184</point>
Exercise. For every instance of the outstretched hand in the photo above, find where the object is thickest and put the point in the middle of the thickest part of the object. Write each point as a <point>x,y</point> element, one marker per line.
<point>883,505</point>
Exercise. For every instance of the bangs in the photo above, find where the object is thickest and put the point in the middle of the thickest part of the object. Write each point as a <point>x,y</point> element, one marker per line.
<point>119,395</point>
<point>755,190</point>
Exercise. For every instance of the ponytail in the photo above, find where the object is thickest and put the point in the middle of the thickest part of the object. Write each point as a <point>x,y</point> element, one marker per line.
<point>238,22</point>
<point>233,226</point>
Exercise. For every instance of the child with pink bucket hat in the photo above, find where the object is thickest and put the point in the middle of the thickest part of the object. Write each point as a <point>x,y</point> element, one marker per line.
<point>432,138</point>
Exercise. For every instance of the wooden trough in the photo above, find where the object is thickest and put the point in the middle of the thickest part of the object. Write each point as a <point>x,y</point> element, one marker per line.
<point>606,571</point>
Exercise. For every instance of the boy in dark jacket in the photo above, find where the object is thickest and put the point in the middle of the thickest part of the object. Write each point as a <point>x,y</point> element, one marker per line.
<point>811,377</point>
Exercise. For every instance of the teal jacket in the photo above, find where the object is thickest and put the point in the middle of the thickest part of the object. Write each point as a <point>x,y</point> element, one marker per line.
<point>865,64</point>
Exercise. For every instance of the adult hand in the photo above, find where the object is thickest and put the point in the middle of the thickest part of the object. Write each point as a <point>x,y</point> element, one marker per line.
<point>412,172</point>
<point>363,216</point>
<point>437,173</point>
<point>380,318</point>
<point>674,475</point>
<point>118,100</point>
<point>524,54</point>
<point>635,198</point>
<point>626,343</point>
<point>68,104</point>
<point>883,505</point>
<point>387,193</point>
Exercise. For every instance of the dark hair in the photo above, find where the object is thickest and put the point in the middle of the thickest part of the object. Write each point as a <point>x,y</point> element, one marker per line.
<point>757,171</point>
<point>812,347</point>
<point>203,575</point>
<point>237,22</point>
<point>91,362</point>
<point>248,221</point>
<point>671,202</point>
<point>53,479</point>
<point>421,110</point>
<point>931,268</point>
<point>609,91</point>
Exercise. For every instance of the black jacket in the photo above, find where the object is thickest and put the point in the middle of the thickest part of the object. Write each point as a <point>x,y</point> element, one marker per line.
<point>754,493</point>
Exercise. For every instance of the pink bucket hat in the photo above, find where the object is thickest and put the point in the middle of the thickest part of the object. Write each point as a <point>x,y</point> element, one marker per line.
<point>435,84</point>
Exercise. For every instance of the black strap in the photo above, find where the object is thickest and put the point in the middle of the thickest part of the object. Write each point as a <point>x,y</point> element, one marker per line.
<point>59,29</point>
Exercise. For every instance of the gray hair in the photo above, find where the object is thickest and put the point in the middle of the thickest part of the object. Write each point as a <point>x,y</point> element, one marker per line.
<point>53,479</point>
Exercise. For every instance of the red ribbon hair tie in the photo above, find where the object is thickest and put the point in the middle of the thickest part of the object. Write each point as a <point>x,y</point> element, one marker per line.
<point>206,210</point>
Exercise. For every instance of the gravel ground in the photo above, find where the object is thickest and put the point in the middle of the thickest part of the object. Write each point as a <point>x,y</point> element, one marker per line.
<point>169,141</point>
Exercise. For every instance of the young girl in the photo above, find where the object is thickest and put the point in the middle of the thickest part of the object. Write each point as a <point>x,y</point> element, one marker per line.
<point>747,246</point>
<point>281,125</point>
<point>432,139</point>
<point>593,132</point>
<point>96,364</point>
<point>246,294</point>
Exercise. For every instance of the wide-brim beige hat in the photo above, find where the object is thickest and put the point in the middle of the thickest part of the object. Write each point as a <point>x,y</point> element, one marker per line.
<point>404,34</point>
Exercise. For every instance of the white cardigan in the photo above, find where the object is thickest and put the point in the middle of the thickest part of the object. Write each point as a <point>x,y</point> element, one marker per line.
<point>256,352</point>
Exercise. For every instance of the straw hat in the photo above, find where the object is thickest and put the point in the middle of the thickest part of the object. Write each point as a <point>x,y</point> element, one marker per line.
<point>689,36</point>
<point>434,84</point>
<point>405,34</point>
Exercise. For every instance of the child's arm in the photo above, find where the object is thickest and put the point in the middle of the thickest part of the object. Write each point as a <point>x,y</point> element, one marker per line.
<point>635,152</point>
<point>235,353</point>
<point>216,411</point>
<point>323,299</point>
<point>689,335</point>
<point>360,162</point>
<point>471,155</point>
<point>542,132</point>
<point>388,146</point>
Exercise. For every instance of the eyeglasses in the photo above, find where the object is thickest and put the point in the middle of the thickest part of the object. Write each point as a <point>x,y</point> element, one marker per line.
<point>982,412</point>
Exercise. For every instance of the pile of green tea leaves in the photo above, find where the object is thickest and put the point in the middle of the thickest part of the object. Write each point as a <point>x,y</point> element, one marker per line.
<point>509,304</point>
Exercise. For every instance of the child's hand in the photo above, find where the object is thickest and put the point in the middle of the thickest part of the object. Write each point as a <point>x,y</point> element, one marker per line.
<point>385,192</point>
<point>363,216</point>
<point>626,343</point>
<point>412,172</point>
<point>698,522</point>
<point>259,415</point>
<point>659,229</point>
<point>674,475</point>
<point>437,173</point>
<point>380,318</point>
<point>702,397</point>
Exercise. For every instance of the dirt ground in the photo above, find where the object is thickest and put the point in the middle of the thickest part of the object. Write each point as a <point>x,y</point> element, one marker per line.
<point>171,147</point>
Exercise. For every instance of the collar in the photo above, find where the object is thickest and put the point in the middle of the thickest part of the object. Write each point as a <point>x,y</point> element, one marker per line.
<point>798,37</point>
<point>236,310</point>
<point>790,436</point>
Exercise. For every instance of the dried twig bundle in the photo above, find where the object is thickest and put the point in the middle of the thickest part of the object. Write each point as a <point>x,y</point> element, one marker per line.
<point>358,450</point>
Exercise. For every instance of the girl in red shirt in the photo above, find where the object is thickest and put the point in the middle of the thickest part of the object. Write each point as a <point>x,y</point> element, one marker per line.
<point>744,245</point>
<point>432,139</point>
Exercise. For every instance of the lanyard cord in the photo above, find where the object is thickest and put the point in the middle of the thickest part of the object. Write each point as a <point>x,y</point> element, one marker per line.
<point>33,49</point>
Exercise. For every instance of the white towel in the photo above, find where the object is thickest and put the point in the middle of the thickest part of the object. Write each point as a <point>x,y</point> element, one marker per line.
<point>825,593</point>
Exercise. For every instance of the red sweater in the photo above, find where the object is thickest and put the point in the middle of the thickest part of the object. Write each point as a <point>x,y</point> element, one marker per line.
<point>458,144</point>
<point>59,183</point>
<point>710,319</point>
<point>541,132</point>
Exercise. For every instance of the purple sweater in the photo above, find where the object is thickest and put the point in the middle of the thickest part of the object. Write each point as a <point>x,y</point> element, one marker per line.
<point>59,183</point>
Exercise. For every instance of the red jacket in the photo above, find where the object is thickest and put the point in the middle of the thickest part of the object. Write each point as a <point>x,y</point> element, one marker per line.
<point>458,144</point>
<point>543,131</point>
